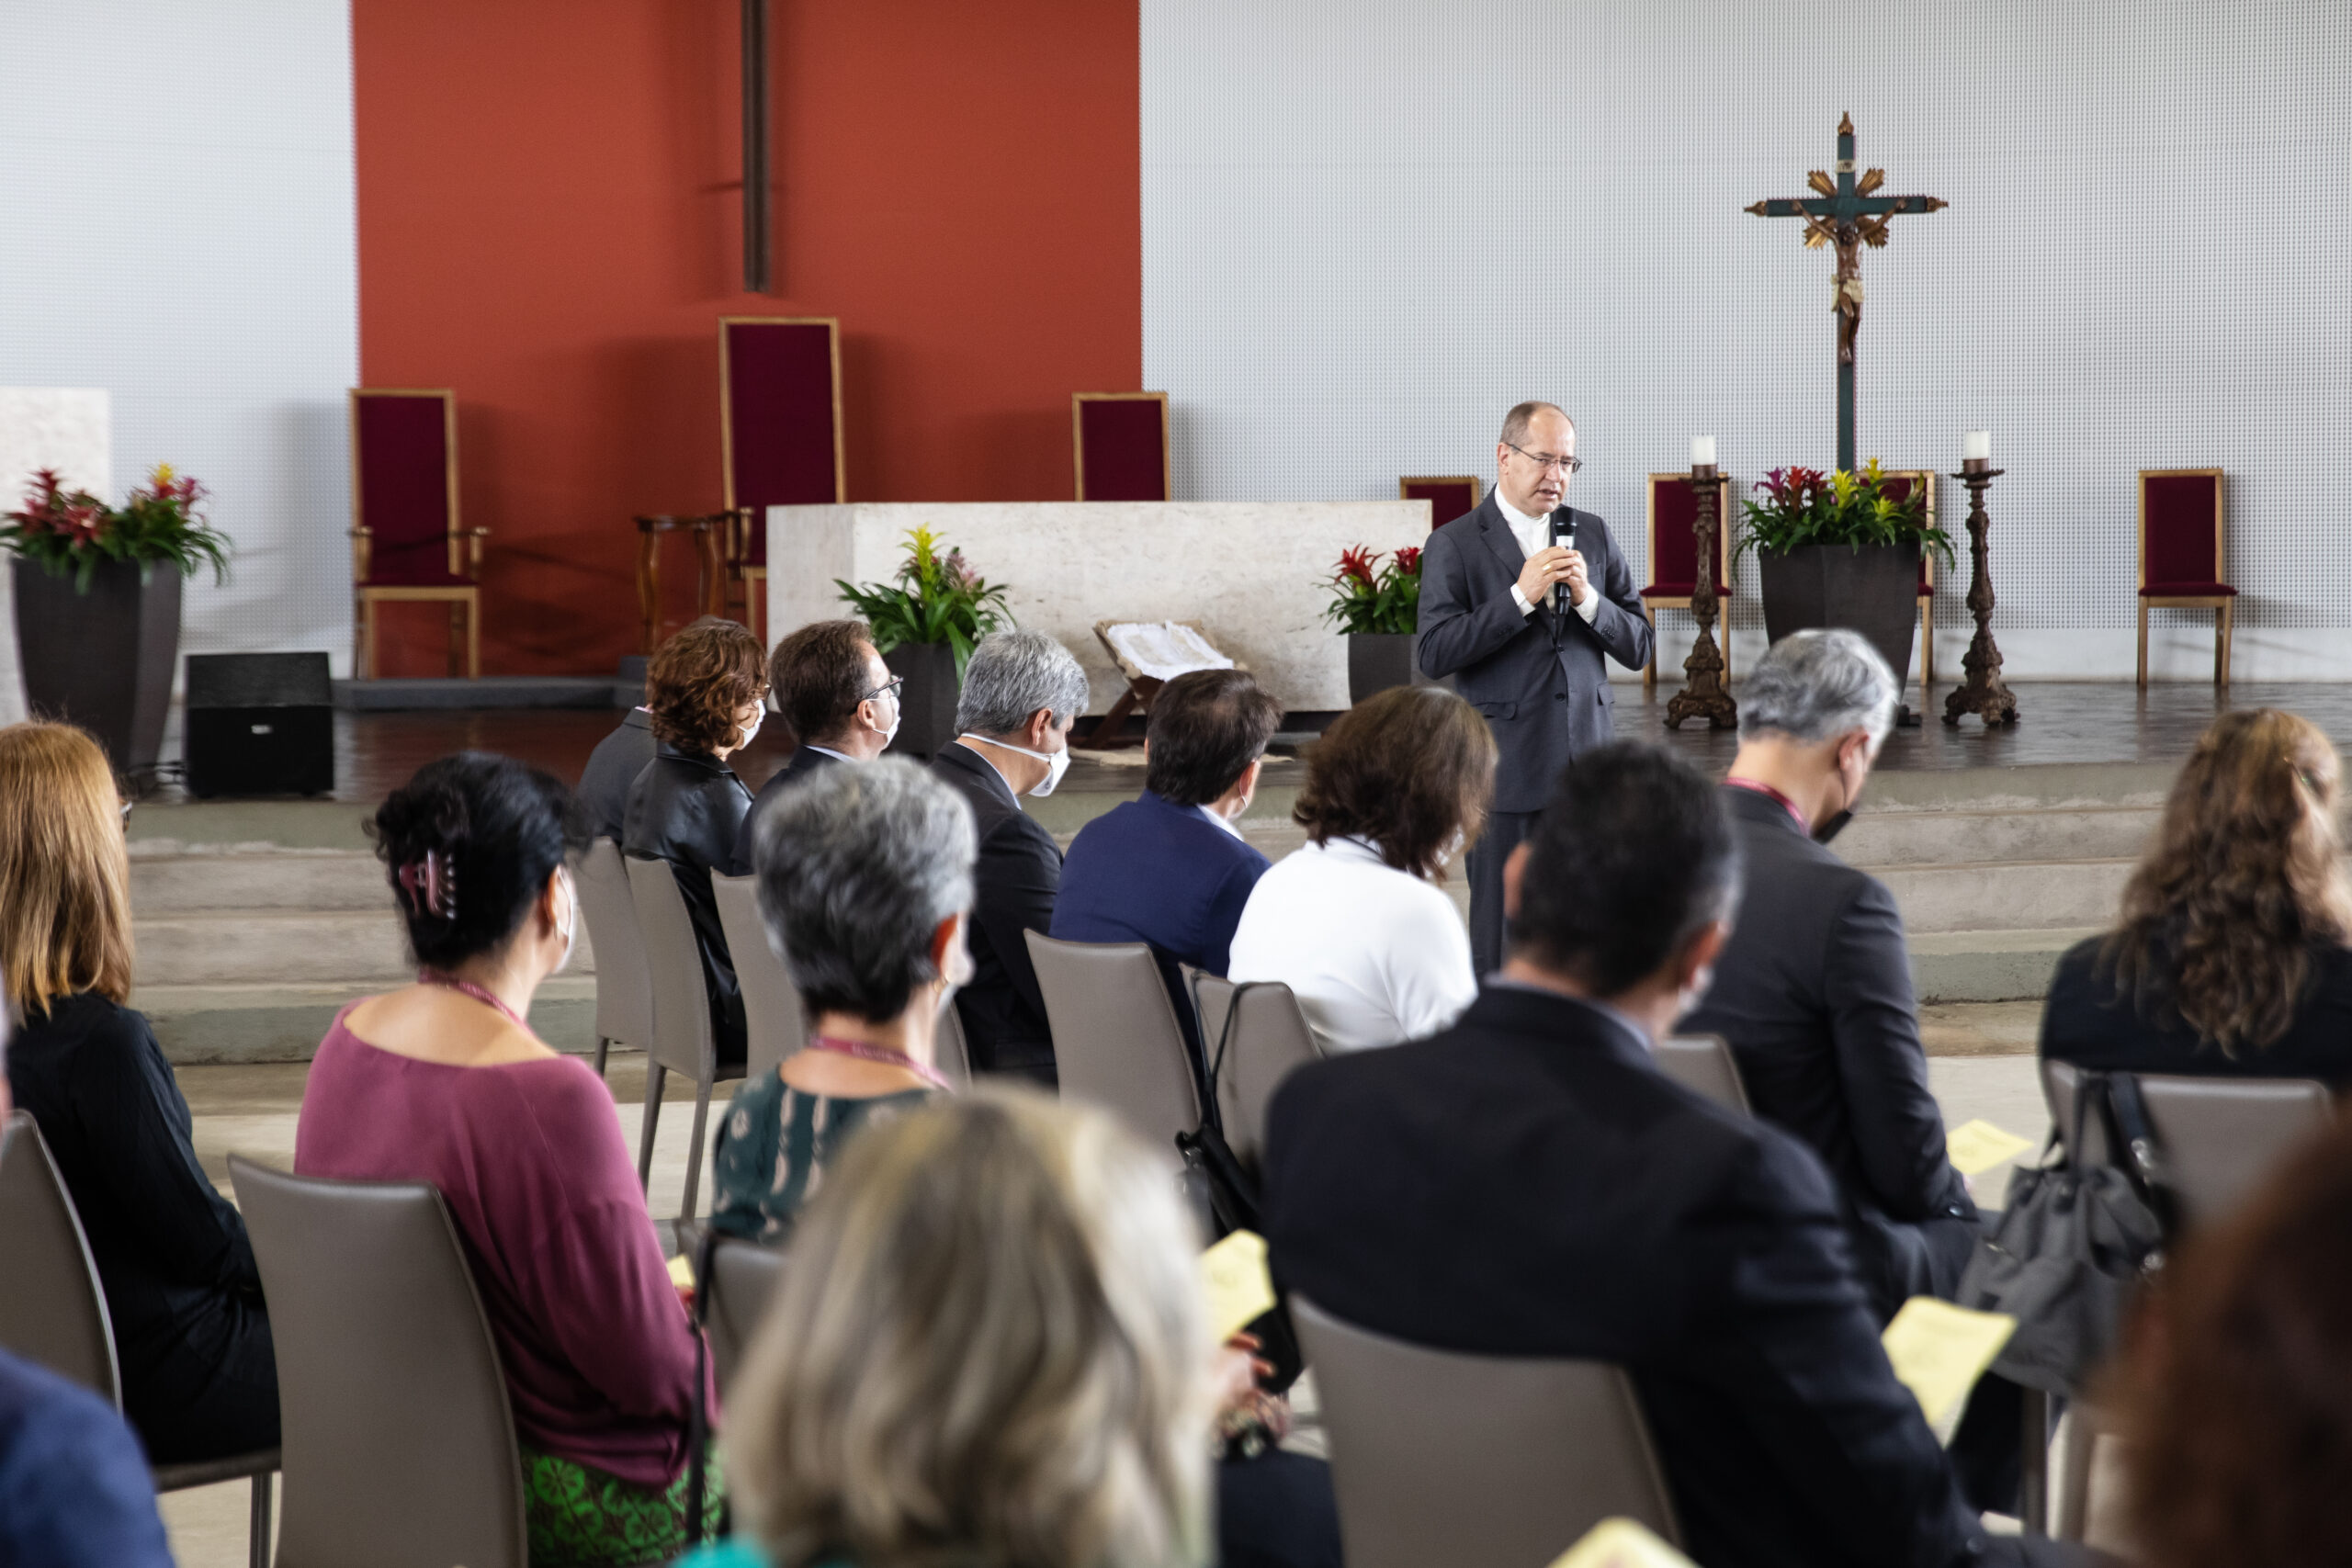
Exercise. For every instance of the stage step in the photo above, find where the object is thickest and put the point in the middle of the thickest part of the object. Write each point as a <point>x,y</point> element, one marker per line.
<point>258,878</point>
<point>283,946</point>
<point>1989,965</point>
<point>285,1022</point>
<point>2032,895</point>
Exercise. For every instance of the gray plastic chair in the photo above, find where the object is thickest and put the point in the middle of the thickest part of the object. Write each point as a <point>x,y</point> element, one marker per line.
<point>683,1042</point>
<point>1438,1456</point>
<point>948,1045</point>
<point>624,987</point>
<point>399,1440</point>
<point>775,1025</point>
<point>2218,1137</point>
<point>1116,1041</point>
<point>53,1311</point>
<point>1703,1064</point>
<point>1271,1038</point>
<point>744,1277</point>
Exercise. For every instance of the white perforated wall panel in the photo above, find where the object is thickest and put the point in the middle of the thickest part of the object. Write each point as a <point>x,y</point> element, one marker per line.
<point>1370,228</point>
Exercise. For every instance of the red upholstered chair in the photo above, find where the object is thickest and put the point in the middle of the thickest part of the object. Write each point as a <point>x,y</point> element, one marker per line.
<point>407,544</point>
<point>2183,556</point>
<point>1901,484</point>
<point>1674,558</point>
<point>1121,440</point>
<point>1450,495</point>
<point>780,434</point>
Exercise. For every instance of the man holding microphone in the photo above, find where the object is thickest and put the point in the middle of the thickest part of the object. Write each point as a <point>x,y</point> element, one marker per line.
<point>1520,600</point>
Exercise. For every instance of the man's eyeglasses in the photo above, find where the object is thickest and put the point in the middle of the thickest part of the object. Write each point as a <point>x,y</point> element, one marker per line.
<point>890,685</point>
<point>1566,465</point>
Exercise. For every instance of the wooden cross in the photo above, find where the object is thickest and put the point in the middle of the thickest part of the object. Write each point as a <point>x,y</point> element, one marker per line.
<point>1844,214</point>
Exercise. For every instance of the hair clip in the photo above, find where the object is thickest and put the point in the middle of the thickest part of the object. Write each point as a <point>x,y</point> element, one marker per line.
<point>431,885</point>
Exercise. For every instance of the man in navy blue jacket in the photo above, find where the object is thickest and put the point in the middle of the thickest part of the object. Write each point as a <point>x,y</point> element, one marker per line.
<point>1170,868</point>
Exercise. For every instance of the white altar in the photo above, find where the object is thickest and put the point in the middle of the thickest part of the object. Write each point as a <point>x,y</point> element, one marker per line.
<point>68,429</point>
<point>1254,574</point>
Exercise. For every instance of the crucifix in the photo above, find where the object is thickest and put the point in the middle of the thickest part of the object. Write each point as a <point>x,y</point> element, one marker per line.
<point>1842,214</point>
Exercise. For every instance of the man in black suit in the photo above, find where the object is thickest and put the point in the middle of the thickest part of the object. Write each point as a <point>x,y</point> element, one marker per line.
<point>841,700</point>
<point>1022,692</point>
<point>1520,601</point>
<point>1527,1183</point>
<point>1814,990</point>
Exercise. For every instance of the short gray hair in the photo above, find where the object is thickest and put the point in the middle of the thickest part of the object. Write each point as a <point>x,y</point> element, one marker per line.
<point>1521,416</point>
<point>1814,686</point>
<point>1011,675</point>
<point>857,867</point>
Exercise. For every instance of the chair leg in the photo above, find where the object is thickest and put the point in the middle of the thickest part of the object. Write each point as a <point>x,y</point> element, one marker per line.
<point>474,637</point>
<point>1723,624</point>
<point>1927,648</point>
<point>694,1150</point>
<point>367,613</point>
<point>604,1045</point>
<point>257,1542</point>
<point>2143,645</point>
<point>1649,671</point>
<point>2222,645</point>
<point>654,1073</point>
<point>2035,1440</point>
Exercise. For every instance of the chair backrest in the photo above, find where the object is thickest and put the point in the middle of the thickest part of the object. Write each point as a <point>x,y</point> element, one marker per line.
<point>953,1054</point>
<point>2219,1137</point>
<point>681,1038</point>
<point>53,1309</point>
<point>1120,441</point>
<point>1439,1456</point>
<point>405,485</point>
<point>2183,541</point>
<point>399,1435</point>
<point>1116,1041</point>
<point>773,1018</point>
<point>744,1277</point>
<point>1450,495</point>
<point>780,419</point>
<point>1270,1038</point>
<point>624,983</point>
<point>1674,533</point>
<point>1703,1064</point>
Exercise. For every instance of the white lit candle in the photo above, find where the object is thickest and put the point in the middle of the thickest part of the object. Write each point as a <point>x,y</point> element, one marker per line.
<point>1977,444</point>
<point>1702,451</point>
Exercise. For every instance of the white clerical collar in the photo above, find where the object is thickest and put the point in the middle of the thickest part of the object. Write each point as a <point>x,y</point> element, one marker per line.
<point>1518,521</point>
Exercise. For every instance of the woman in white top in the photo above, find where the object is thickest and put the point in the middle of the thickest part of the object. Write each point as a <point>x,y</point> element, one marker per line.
<point>1356,922</point>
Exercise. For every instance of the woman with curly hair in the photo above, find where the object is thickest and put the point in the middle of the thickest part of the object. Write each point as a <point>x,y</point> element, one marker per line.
<point>2231,958</point>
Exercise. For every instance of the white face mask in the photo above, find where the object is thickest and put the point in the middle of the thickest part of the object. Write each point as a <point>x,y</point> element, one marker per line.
<point>1696,992</point>
<point>1056,762</point>
<point>898,712</point>
<point>1452,847</point>
<point>759,713</point>
<point>568,928</point>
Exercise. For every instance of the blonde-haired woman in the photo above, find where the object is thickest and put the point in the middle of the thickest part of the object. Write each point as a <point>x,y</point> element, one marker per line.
<point>2230,958</point>
<point>199,1380</point>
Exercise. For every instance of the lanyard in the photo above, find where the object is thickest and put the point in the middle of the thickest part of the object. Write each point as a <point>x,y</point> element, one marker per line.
<point>1753,787</point>
<point>864,1053</point>
<point>467,988</point>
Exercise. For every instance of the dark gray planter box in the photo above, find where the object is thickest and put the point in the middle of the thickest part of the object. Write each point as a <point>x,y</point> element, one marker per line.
<point>1377,661</point>
<point>927,701</point>
<point>1873,589</point>
<point>102,660</point>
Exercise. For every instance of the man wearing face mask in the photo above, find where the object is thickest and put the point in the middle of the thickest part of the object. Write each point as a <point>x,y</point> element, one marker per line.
<point>841,702</point>
<point>1814,989</point>
<point>1022,692</point>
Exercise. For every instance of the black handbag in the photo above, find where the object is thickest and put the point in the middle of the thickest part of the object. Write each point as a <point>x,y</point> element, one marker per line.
<point>2074,1241</point>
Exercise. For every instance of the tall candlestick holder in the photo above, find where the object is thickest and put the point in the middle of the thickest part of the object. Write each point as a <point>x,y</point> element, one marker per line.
<point>1704,695</point>
<point>1984,693</point>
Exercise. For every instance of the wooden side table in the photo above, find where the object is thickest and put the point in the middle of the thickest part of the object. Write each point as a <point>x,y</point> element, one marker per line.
<point>710,575</point>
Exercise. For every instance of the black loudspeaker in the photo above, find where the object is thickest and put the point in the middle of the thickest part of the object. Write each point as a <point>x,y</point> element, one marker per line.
<point>259,724</point>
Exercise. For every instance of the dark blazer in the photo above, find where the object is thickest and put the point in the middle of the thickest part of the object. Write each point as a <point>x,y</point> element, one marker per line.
<point>805,760</point>
<point>1015,882</point>
<point>2084,1021</point>
<point>1527,1183</point>
<point>612,767</point>
<point>687,808</point>
<point>1539,677</point>
<point>1813,992</point>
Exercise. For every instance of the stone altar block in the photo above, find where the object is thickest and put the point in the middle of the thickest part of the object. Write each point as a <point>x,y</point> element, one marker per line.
<point>1254,574</point>
<point>68,429</point>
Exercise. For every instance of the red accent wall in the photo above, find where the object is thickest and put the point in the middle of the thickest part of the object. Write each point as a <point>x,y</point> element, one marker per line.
<point>549,221</point>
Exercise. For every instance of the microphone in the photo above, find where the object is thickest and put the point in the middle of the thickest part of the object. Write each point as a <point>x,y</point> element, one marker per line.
<point>1563,533</point>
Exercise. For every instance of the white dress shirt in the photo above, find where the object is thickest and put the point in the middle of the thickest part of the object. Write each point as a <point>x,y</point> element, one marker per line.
<point>1376,955</point>
<point>1534,534</point>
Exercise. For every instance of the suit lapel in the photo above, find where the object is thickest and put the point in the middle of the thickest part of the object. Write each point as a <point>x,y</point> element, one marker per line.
<point>1505,543</point>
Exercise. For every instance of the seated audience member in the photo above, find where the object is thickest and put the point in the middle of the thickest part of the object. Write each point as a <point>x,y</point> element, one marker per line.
<point>1814,989</point>
<point>1356,922</point>
<point>612,767</point>
<point>841,703</point>
<point>1527,1183</point>
<point>191,1333</point>
<point>706,687</point>
<point>444,1081</point>
<point>865,879</point>
<point>1170,868</point>
<point>1022,692</point>
<point>2236,1394</point>
<point>988,1348</point>
<point>2231,959</point>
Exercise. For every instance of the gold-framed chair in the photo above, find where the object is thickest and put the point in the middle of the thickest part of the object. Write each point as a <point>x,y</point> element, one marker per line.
<point>779,433</point>
<point>2185,557</point>
<point>1673,510</point>
<point>407,542</point>
<point>1119,440</point>
<point>1450,495</point>
<point>1902,484</point>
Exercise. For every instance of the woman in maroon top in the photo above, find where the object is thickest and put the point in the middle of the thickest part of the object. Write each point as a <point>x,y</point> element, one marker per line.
<point>442,1081</point>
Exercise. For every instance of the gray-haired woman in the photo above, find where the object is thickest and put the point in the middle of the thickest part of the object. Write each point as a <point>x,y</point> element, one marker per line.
<point>864,878</point>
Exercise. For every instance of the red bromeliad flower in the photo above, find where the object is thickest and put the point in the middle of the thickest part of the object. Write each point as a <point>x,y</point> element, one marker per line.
<point>1409,561</point>
<point>1355,565</point>
<point>50,508</point>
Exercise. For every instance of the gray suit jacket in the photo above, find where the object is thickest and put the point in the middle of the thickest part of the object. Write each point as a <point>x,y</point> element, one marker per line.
<point>1539,678</point>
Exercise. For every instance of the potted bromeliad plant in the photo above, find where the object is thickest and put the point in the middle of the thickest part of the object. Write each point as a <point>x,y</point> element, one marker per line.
<point>925,622</point>
<point>1841,549</point>
<point>1376,607</point>
<point>98,603</point>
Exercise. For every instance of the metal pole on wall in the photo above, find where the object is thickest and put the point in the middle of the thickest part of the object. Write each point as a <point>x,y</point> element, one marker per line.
<point>755,147</point>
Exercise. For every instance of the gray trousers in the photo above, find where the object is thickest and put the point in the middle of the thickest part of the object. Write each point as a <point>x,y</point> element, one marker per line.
<point>1505,832</point>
